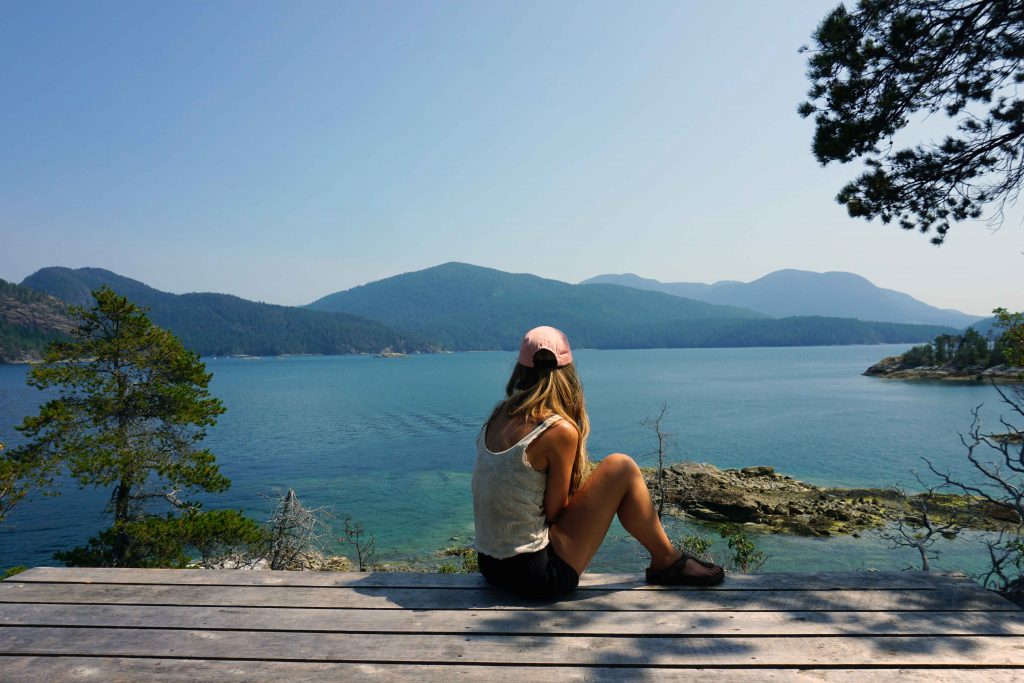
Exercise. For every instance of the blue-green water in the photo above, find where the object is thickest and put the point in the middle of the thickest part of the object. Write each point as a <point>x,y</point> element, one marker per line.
<point>390,441</point>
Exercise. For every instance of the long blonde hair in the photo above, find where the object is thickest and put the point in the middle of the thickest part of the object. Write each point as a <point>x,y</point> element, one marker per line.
<point>536,392</point>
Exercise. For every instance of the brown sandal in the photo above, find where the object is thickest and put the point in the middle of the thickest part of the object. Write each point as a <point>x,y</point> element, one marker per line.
<point>673,575</point>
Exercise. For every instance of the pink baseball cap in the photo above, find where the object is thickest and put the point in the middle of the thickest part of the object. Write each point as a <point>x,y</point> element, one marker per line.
<point>545,337</point>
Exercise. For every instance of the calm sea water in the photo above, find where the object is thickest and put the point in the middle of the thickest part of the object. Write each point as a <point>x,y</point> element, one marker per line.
<point>390,441</point>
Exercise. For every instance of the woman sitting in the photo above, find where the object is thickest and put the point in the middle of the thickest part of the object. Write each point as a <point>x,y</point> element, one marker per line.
<point>540,513</point>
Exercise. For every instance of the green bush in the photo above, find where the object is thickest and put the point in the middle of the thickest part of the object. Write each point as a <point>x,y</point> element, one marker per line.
<point>698,545</point>
<point>169,541</point>
<point>8,573</point>
<point>745,555</point>
<point>470,562</point>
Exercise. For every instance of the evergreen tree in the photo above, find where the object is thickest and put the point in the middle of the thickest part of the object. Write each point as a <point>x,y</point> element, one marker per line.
<point>1011,343</point>
<point>132,406</point>
<point>874,68</point>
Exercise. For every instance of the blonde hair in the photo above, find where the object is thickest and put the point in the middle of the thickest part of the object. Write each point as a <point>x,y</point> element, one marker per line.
<point>536,392</point>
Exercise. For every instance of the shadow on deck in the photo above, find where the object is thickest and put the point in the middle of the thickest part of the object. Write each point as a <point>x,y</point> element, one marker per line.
<point>132,624</point>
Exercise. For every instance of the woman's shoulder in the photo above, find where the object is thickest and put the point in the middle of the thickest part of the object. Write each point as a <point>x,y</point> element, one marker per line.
<point>561,432</point>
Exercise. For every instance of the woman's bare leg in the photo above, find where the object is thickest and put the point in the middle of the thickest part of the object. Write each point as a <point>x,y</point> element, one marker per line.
<point>616,486</point>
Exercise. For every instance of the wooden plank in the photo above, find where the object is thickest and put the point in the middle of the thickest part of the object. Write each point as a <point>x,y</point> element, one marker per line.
<point>770,652</point>
<point>118,670</point>
<point>887,580</point>
<point>551,622</point>
<point>453,598</point>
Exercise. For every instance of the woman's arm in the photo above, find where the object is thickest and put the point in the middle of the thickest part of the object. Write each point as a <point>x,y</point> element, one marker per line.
<point>555,449</point>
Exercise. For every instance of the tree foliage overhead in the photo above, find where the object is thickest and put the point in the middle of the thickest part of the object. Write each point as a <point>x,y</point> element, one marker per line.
<point>873,68</point>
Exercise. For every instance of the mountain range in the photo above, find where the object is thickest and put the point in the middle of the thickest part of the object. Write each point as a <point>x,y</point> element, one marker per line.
<point>222,324</point>
<point>454,306</point>
<point>800,292</point>
<point>468,307</point>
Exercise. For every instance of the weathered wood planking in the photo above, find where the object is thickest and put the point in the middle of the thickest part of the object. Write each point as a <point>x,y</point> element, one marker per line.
<point>524,622</point>
<point>533,650</point>
<point>118,670</point>
<point>73,624</point>
<point>966,599</point>
<point>873,580</point>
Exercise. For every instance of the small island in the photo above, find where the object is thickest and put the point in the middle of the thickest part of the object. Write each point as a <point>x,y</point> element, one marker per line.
<point>967,357</point>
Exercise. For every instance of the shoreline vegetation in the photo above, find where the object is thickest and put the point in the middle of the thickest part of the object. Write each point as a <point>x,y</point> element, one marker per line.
<point>753,500</point>
<point>967,357</point>
<point>895,367</point>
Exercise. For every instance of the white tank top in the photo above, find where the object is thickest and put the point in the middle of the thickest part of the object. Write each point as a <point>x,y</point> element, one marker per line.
<point>508,498</point>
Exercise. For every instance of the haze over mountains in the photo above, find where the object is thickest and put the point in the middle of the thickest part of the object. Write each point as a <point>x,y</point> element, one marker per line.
<point>468,307</point>
<point>800,292</point>
<point>453,306</point>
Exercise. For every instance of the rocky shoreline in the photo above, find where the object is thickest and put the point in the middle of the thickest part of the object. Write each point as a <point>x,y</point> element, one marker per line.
<point>893,368</point>
<point>769,502</point>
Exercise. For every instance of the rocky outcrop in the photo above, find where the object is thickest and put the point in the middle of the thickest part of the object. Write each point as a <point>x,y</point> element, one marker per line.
<point>29,321</point>
<point>42,315</point>
<point>761,497</point>
<point>1008,437</point>
<point>894,368</point>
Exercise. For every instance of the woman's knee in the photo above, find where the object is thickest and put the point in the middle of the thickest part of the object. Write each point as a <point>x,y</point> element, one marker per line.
<point>621,464</point>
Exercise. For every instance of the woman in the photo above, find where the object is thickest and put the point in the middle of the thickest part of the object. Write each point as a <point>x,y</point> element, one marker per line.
<point>540,514</point>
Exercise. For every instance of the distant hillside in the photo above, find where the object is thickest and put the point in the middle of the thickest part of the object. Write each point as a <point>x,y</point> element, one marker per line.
<point>988,326</point>
<point>221,324</point>
<point>472,308</point>
<point>467,307</point>
<point>800,293</point>
<point>29,321</point>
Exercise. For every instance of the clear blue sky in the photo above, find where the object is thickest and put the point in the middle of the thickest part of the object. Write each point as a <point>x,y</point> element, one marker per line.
<point>285,150</point>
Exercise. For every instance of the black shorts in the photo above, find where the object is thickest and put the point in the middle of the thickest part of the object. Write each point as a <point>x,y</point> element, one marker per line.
<point>540,574</point>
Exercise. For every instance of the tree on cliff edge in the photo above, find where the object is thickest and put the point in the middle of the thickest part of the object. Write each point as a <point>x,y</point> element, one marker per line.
<point>875,67</point>
<point>132,406</point>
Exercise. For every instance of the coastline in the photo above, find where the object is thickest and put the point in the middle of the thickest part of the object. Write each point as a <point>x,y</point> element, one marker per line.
<point>892,368</point>
<point>765,501</point>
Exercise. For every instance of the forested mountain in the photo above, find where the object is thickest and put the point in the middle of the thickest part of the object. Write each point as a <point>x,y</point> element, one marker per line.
<point>221,324</point>
<point>800,293</point>
<point>29,320</point>
<point>467,307</point>
<point>458,307</point>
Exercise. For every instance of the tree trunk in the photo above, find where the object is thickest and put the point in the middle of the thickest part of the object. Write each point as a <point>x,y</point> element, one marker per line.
<point>121,540</point>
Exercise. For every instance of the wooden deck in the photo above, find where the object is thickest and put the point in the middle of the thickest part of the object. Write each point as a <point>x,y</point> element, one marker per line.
<point>133,624</point>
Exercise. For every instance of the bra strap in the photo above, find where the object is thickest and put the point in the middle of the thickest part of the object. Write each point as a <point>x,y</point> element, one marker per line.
<point>528,439</point>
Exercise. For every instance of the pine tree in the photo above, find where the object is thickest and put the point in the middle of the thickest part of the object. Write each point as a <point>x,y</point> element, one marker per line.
<point>131,409</point>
